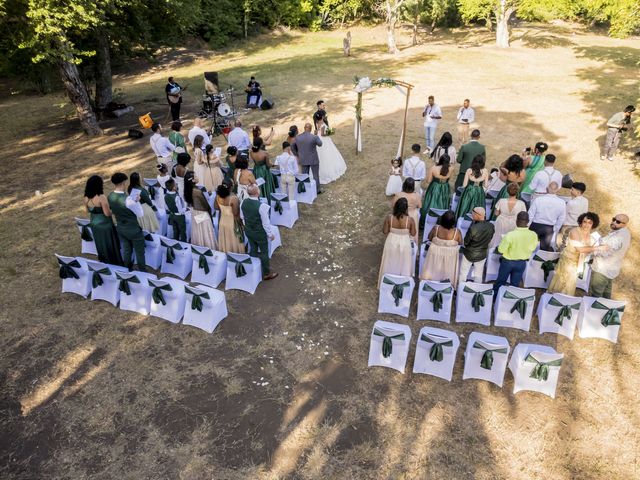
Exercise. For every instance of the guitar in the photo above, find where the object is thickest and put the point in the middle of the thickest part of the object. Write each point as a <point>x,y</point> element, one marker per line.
<point>175,97</point>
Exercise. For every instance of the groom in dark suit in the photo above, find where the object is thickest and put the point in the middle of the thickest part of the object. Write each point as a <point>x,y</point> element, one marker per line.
<point>467,153</point>
<point>305,148</point>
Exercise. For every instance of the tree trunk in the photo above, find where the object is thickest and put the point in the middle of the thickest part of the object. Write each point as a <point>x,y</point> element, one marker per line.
<point>503,14</point>
<point>392,19</point>
<point>104,91</point>
<point>416,17</point>
<point>79,97</point>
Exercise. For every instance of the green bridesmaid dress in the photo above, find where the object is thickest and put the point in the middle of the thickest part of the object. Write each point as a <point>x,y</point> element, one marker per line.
<point>231,168</point>
<point>437,195</point>
<point>472,196</point>
<point>537,164</point>
<point>105,237</point>
<point>261,170</point>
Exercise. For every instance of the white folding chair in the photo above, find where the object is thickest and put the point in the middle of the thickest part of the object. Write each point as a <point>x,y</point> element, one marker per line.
<point>436,352</point>
<point>514,307</point>
<point>414,256</point>
<point>492,265</point>
<point>486,358</point>
<point>536,368</point>
<point>584,276</point>
<point>558,313</point>
<point>88,245</point>
<point>540,269</point>
<point>424,247</point>
<point>167,298</point>
<point>600,318</point>
<point>434,301</point>
<point>209,266</point>
<point>389,345</point>
<point>205,307</point>
<point>464,223</point>
<point>176,257</point>
<point>104,284</point>
<point>455,198</point>
<point>395,294</point>
<point>153,251</point>
<point>474,303</point>
<point>305,189</point>
<point>163,220</point>
<point>243,272</point>
<point>276,242</point>
<point>75,275</point>
<point>284,211</point>
<point>430,220</point>
<point>156,192</point>
<point>135,292</point>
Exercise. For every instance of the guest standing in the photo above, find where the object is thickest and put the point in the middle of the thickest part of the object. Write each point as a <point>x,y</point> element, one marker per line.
<point>177,140</point>
<point>399,227</point>
<point>198,129</point>
<point>262,166</point>
<point>466,116</point>
<point>257,227</point>
<point>230,228</point>
<point>161,146</point>
<point>232,155</point>
<point>414,167</point>
<point>473,194</point>
<point>532,163</point>
<point>413,200</point>
<point>288,165</point>
<point>467,153</point>
<point>243,178</point>
<point>239,138</point>
<point>256,132</point>
<point>127,210</point>
<point>445,145</point>
<point>576,206</point>
<point>148,221</point>
<point>176,210</point>
<point>544,177</point>
<point>507,210</point>
<point>511,171</point>
<point>443,253</point>
<point>202,233</point>
<point>476,246</point>
<point>608,257</point>
<point>101,224</point>
<point>438,193</point>
<point>180,171</point>
<point>616,125</point>
<point>547,215</point>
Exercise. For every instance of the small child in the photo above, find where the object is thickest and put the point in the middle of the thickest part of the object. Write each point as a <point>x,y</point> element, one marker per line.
<point>288,165</point>
<point>394,184</point>
<point>176,209</point>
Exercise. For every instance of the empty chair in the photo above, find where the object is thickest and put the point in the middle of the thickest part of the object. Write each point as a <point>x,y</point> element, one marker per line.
<point>455,198</point>
<point>600,318</point>
<point>243,272</point>
<point>436,352</point>
<point>535,367</point>
<point>75,275</point>
<point>389,345</point>
<point>584,276</point>
<point>176,257</point>
<point>434,301</point>
<point>205,307</point>
<point>474,303</point>
<point>135,292</point>
<point>486,358</point>
<point>540,269</point>
<point>558,313</point>
<point>514,307</point>
<point>463,224</point>
<point>153,250</point>
<point>284,211</point>
<point>424,247</point>
<point>88,245</point>
<point>305,189</point>
<point>209,266</point>
<point>276,242</point>
<point>156,192</point>
<point>395,294</point>
<point>433,214</point>
<point>104,283</point>
<point>492,265</point>
<point>167,298</point>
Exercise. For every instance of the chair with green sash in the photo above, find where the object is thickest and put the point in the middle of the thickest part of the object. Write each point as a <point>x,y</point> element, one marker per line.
<point>395,294</point>
<point>431,218</point>
<point>455,198</point>
<point>424,248</point>
<point>558,313</point>
<point>167,298</point>
<point>75,275</point>
<point>514,307</point>
<point>436,352</point>
<point>474,303</point>
<point>176,257</point>
<point>104,284</point>
<point>389,345</point>
<point>243,272</point>
<point>156,192</point>
<point>208,266</point>
<point>153,250</point>
<point>540,269</point>
<point>600,318</point>
<point>305,189</point>
<point>464,223</point>
<point>276,242</point>
<point>204,308</point>
<point>486,358</point>
<point>284,210</point>
<point>87,243</point>
<point>434,301</point>
<point>135,292</point>
<point>536,368</point>
<point>492,265</point>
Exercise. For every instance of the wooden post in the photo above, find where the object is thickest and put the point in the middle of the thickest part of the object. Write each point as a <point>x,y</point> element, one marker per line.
<point>404,125</point>
<point>358,120</point>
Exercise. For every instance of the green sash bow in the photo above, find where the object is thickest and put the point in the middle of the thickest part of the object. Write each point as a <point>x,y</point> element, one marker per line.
<point>565,310</point>
<point>426,244</point>
<point>124,284</point>
<point>612,317</point>
<point>436,298</point>
<point>397,290</point>
<point>85,232</point>
<point>148,237</point>
<point>278,205</point>
<point>541,370</point>
<point>387,345</point>
<point>240,270</point>
<point>547,266</point>
<point>96,279</point>
<point>157,295</point>
<point>521,305</point>
<point>436,353</point>
<point>432,213</point>
<point>478,297</point>
<point>152,191</point>
<point>301,187</point>
<point>66,270</point>
<point>171,251</point>
<point>202,259</point>
<point>487,358</point>
<point>196,300</point>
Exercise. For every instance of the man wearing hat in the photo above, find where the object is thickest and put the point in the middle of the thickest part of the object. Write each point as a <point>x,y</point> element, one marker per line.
<point>617,124</point>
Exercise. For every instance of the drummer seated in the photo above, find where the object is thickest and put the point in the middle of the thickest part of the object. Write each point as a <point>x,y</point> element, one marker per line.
<point>253,93</point>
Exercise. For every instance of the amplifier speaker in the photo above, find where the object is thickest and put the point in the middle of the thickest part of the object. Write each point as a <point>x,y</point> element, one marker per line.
<point>135,133</point>
<point>267,104</point>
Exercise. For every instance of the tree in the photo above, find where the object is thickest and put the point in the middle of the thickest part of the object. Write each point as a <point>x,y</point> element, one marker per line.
<point>390,11</point>
<point>622,16</point>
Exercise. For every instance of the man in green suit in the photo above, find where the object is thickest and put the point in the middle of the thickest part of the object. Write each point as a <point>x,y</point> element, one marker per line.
<point>257,227</point>
<point>467,153</point>
<point>127,210</point>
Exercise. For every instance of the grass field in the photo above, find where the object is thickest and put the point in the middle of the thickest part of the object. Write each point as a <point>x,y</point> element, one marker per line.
<point>281,388</point>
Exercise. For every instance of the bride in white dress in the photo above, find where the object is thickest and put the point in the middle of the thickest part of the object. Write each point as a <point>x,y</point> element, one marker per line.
<point>332,165</point>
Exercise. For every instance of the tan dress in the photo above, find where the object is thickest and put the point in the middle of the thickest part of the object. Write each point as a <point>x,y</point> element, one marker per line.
<point>228,242</point>
<point>396,256</point>
<point>566,276</point>
<point>148,221</point>
<point>506,221</point>
<point>208,174</point>
<point>415,202</point>
<point>442,260</point>
<point>202,233</point>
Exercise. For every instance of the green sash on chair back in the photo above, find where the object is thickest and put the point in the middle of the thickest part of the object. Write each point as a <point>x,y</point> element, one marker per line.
<point>477,301</point>
<point>240,270</point>
<point>156,294</point>
<point>202,259</point>
<point>487,358</point>
<point>196,300</point>
<point>171,250</point>
<point>67,269</point>
<point>521,305</point>
<point>541,369</point>
<point>123,286</point>
<point>547,266</point>
<point>436,298</point>
<point>436,354</point>
<point>397,290</point>
<point>278,205</point>
<point>85,232</point>
<point>387,345</point>
<point>612,317</point>
<point>148,237</point>
<point>301,187</point>
<point>96,278</point>
<point>565,310</point>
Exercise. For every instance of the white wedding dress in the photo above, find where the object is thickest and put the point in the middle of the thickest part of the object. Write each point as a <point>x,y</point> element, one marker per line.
<point>332,165</point>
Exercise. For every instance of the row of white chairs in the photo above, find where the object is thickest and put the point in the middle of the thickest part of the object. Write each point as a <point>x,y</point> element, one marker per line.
<point>169,298</point>
<point>514,307</point>
<point>534,367</point>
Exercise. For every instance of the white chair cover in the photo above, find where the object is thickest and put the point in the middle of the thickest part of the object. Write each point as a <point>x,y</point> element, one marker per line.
<point>539,263</point>
<point>307,192</point>
<point>584,277</point>
<point>558,313</point>
<point>243,272</point>
<point>75,275</point>
<point>209,266</point>
<point>455,198</point>
<point>104,284</point>
<point>436,352</point>
<point>463,224</point>
<point>187,219</point>
<point>514,307</point>
<point>156,192</point>
<point>153,251</point>
<point>433,214</point>
<point>276,242</point>
<point>474,303</point>
<point>414,256</point>
<point>486,358</point>
<point>284,211</point>
<point>434,301</point>
<point>492,265</point>
<point>205,307</point>
<point>395,294</point>
<point>600,318</point>
<point>163,220</point>
<point>176,257</point>
<point>389,345</point>
<point>135,292</point>
<point>424,247</point>
<point>167,298</point>
<point>536,368</point>
<point>88,245</point>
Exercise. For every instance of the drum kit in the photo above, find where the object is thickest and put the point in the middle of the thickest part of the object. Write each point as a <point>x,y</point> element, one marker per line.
<point>220,108</point>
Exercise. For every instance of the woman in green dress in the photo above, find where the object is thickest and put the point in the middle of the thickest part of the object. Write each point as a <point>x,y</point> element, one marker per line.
<point>473,194</point>
<point>262,164</point>
<point>533,164</point>
<point>438,193</point>
<point>102,228</point>
<point>232,155</point>
<point>176,138</point>
<point>511,170</point>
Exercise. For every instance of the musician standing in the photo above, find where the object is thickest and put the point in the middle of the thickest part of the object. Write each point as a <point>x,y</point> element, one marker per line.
<point>174,97</point>
<point>618,123</point>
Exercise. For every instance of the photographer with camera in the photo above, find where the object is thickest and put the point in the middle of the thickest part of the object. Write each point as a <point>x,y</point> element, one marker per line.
<point>618,123</point>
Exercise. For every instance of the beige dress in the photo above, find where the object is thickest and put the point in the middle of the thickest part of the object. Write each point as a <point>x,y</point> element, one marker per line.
<point>415,203</point>
<point>506,221</point>
<point>566,271</point>
<point>202,233</point>
<point>148,221</point>
<point>208,174</point>
<point>441,263</point>
<point>396,256</point>
<point>228,241</point>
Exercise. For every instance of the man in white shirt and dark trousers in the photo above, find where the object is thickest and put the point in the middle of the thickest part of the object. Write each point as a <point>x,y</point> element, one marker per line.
<point>257,227</point>
<point>576,206</point>
<point>240,139</point>
<point>288,165</point>
<point>547,214</point>
<point>431,114</point>
<point>544,177</point>
<point>608,257</point>
<point>161,146</point>
<point>466,116</point>
<point>198,129</point>
<point>414,167</point>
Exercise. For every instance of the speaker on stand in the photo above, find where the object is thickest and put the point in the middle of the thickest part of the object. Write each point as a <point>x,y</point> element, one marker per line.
<point>267,104</point>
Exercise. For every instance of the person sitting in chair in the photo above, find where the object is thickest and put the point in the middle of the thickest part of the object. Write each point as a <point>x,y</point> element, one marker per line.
<point>253,93</point>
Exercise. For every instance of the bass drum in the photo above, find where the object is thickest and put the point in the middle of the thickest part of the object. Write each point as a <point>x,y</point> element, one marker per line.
<point>224,110</point>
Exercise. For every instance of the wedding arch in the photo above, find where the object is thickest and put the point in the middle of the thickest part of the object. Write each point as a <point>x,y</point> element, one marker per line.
<point>362,85</point>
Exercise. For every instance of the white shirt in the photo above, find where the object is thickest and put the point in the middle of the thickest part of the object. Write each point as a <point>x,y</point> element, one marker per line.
<point>431,111</point>
<point>414,168</point>
<point>180,206</point>
<point>239,138</point>
<point>609,262</point>
<point>287,163</point>
<point>264,214</point>
<point>543,178</point>
<point>132,205</point>
<point>467,114</point>
<point>162,180</point>
<point>161,146</point>
<point>576,207</point>
<point>194,132</point>
<point>548,209</point>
